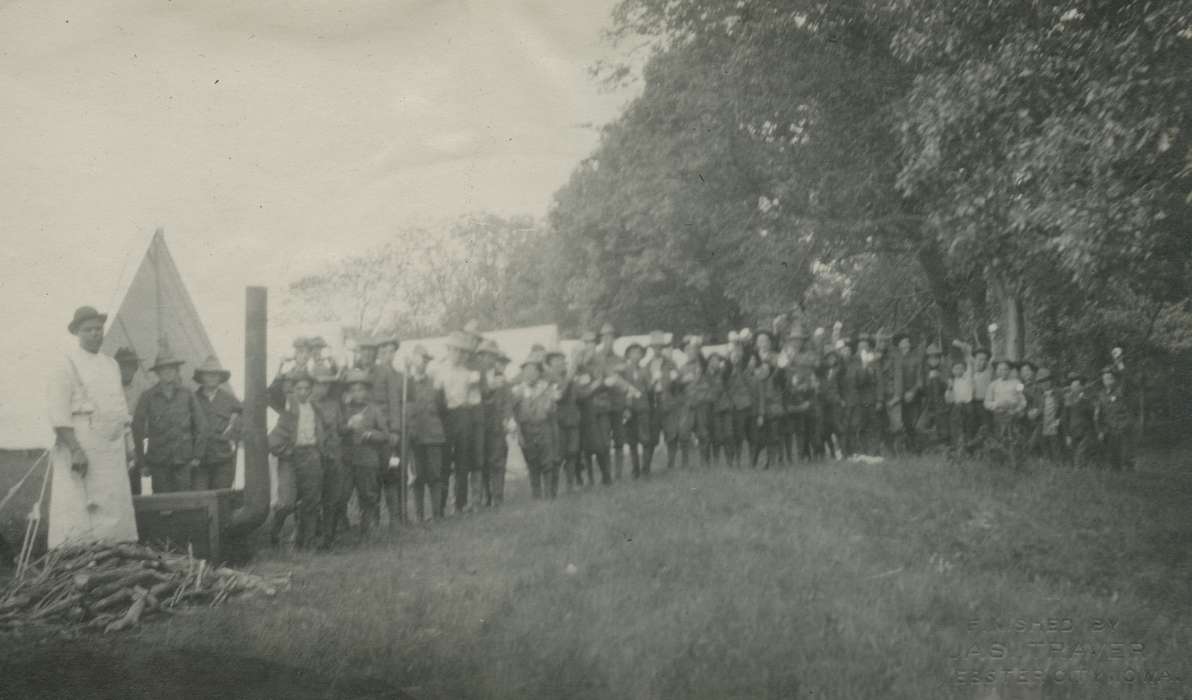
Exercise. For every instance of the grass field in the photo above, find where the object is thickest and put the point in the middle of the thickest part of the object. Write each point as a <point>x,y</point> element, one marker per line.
<point>834,580</point>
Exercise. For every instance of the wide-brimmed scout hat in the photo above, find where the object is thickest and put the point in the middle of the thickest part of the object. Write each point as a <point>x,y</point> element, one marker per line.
<point>897,337</point>
<point>211,366</point>
<point>358,376</point>
<point>1110,369</point>
<point>982,351</point>
<point>366,343</point>
<point>127,356</point>
<point>635,346</point>
<point>316,343</point>
<point>324,375</point>
<point>460,340</point>
<point>388,340</point>
<point>534,358</point>
<point>166,358</point>
<point>659,338</point>
<point>300,374</point>
<point>796,332</point>
<point>301,342</point>
<point>1029,363</point>
<point>84,313</point>
<point>491,347</point>
<point>1074,376</point>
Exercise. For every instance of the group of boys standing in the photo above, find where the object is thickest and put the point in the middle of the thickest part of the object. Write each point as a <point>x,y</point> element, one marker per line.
<point>771,397</point>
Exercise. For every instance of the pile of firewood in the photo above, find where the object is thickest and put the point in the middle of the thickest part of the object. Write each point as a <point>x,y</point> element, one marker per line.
<point>104,587</point>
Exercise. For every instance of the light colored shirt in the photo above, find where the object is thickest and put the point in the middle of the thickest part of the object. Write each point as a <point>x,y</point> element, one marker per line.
<point>1005,395</point>
<point>980,380</point>
<point>461,386</point>
<point>961,390</point>
<point>306,436</point>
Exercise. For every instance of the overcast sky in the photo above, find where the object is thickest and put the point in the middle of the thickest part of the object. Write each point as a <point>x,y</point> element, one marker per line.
<point>266,135</point>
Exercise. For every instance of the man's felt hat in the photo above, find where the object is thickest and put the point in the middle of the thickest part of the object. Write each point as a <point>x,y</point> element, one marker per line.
<point>1028,363</point>
<point>933,349</point>
<point>534,358</point>
<point>490,347</point>
<point>389,340</point>
<point>301,342</point>
<point>548,355</point>
<point>300,374</point>
<point>1110,369</point>
<point>897,337</point>
<point>358,376</point>
<point>982,351</point>
<point>366,343</point>
<point>211,366</point>
<point>1074,376</point>
<point>634,346</point>
<point>127,356</point>
<point>797,332</point>
<point>84,313</point>
<point>166,358</point>
<point>323,375</point>
<point>317,343</point>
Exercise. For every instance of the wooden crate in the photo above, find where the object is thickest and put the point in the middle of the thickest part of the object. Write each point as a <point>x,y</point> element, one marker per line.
<point>195,518</point>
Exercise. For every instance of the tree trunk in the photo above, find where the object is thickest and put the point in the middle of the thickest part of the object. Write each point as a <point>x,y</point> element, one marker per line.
<point>936,270</point>
<point>978,297</point>
<point>1015,326</point>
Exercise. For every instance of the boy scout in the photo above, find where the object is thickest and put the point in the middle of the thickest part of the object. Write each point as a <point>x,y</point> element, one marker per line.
<point>427,436</point>
<point>222,411</point>
<point>1114,421</point>
<point>1077,423</point>
<point>1050,406</point>
<point>664,401</point>
<point>299,440</point>
<point>636,379</point>
<point>325,395</point>
<point>386,395</point>
<point>534,408</point>
<point>932,425</point>
<point>592,391</point>
<point>365,435</point>
<point>497,399</point>
<point>740,391</point>
<point>770,410</point>
<point>612,365</point>
<point>567,418</point>
<point>717,378</point>
<point>169,417</point>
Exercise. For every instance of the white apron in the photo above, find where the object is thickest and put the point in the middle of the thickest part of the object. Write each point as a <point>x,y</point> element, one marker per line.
<point>86,393</point>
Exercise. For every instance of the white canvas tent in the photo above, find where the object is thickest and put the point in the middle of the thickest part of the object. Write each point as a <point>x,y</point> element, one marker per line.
<point>149,301</point>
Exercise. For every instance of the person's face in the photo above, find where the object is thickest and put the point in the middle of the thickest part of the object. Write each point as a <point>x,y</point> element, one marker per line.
<point>168,375</point>
<point>301,355</point>
<point>957,370</point>
<point>1108,380</point>
<point>933,360</point>
<point>302,391</point>
<point>358,393</point>
<point>368,356</point>
<point>420,362</point>
<point>558,365</point>
<point>1003,371</point>
<point>904,344</point>
<point>210,381</point>
<point>320,389</point>
<point>531,373</point>
<point>845,352</point>
<point>635,356</point>
<point>1076,385</point>
<point>864,346</point>
<point>1026,373</point>
<point>763,343</point>
<point>128,371</point>
<point>457,356</point>
<point>982,361</point>
<point>90,333</point>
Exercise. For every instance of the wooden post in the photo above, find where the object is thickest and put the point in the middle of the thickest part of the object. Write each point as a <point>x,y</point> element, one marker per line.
<point>255,508</point>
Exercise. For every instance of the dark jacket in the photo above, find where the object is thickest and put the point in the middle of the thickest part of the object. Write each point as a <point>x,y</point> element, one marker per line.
<point>360,444</point>
<point>175,427</point>
<point>1112,412</point>
<point>638,377</point>
<point>1077,421</point>
<point>285,432</point>
<point>425,407</point>
<point>218,411</point>
<point>568,410</point>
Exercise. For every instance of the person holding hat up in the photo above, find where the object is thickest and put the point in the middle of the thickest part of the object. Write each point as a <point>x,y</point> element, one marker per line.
<point>222,411</point>
<point>91,500</point>
<point>428,438</point>
<point>170,419</point>
<point>534,402</point>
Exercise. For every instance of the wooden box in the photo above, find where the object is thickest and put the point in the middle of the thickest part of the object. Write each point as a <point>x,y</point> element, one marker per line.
<point>195,518</point>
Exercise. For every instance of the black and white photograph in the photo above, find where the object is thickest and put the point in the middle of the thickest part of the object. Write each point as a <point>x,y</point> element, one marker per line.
<point>586,349</point>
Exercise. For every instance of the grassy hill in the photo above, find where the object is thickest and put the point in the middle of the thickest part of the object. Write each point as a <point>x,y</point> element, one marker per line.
<point>835,580</point>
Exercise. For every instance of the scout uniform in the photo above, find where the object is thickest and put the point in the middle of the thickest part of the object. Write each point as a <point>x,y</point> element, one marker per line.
<point>533,406</point>
<point>932,423</point>
<point>801,390</point>
<point>664,400</point>
<point>592,392</point>
<point>830,403</point>
<point>365,435</point>
<point>222,411</point>
<point>426,407</point>
<point>336,480</point>
<point>299,440</point>
<point>770,410</point>
<point>173,423</point>
<point>1050,407</point>
<point>740,393</point>
<point>461,384</point>
<point>497,400</point>
<point>134,385</point>
<point>702,390</point>
<point>722,409</point>
<point>1114,422</point>
<point>959,398</point>
<point>617,398</point>
<point>1077,423</point>
<point>907,393</point>
<point>636,380</point>
<point>567,425</point>
<point>852,374</point>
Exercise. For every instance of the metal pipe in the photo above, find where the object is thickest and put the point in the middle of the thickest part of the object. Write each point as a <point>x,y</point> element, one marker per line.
<point>252,512</point>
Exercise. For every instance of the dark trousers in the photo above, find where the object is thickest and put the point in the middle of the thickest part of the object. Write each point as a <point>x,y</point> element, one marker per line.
<point>769,439</point>
<point>304,495</point>
<point>170,478</point>
<point>803,428</point>
<point>134,481</point>
<point>214,475</point>
<point>428,469</point>
<point>465,444</point>
<point>496,454</point>
<point>333,485</point>
<point>365,478</point>
<point>1118,450</point>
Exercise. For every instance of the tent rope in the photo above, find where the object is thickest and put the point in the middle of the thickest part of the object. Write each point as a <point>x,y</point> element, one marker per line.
<point>16,487</point>
<point>34,520</point>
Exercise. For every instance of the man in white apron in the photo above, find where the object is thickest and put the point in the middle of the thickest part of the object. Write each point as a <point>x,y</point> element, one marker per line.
<point>90,498</point>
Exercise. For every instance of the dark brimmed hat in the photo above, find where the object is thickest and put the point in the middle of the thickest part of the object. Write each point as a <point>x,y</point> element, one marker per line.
<point>635,346</point>
<point>982,351</point>
<point>366,343</point>
<point>84,313</point>
<point>324,375</point>
<point>897,337</point>
<point>459,340</point>
<point>127,356</point>
<point>211,366</point>
<point>421,351</point>
<point>1110,369</point>
<point>358,376</point>
<point>535,358</point>
<point>301,342</point>
<point>1028,363</point>
<point>317,343</point>
<point>548,355</point>
<point>389,340</point>
<point>166,358</point>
